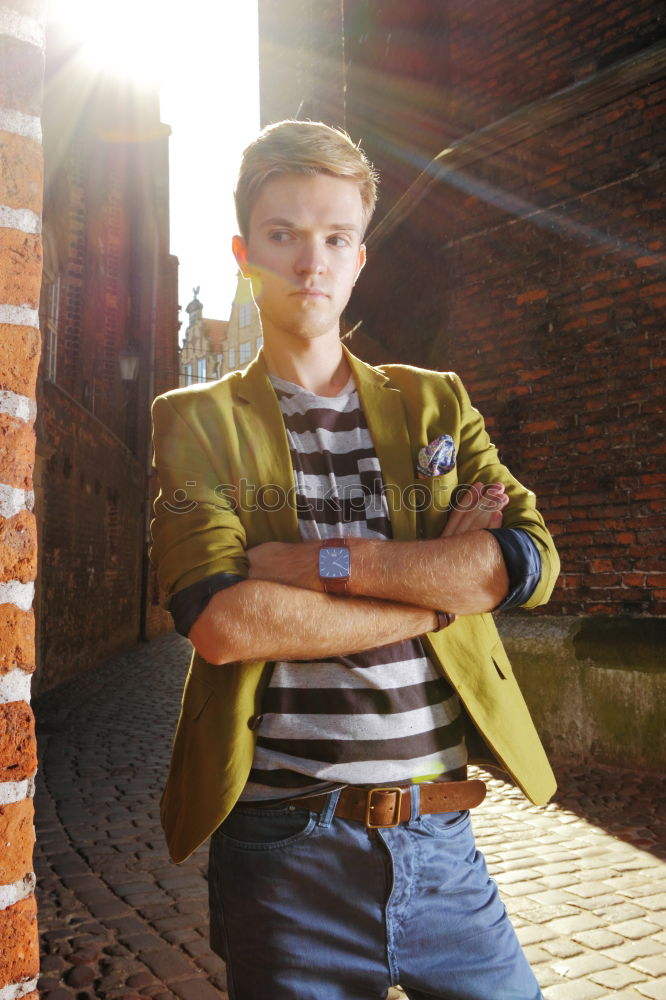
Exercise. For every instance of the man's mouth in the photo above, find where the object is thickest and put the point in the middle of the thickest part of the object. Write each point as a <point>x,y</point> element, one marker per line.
<point>310,293</point>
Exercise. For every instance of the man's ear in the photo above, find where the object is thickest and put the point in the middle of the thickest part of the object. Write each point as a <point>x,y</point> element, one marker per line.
<point>239,249</point>
<point>361,260</point>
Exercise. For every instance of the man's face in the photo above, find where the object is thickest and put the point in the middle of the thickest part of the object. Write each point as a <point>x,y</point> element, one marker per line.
<point>303,253</point>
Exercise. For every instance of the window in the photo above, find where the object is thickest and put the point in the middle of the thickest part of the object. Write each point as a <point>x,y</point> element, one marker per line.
<point>260,341</point>
<point>201,369</point>
<point>245,352</point>
<point>187,372</point>
<point>244,314</point>
<point>232,358</point>
<point>51,337</point>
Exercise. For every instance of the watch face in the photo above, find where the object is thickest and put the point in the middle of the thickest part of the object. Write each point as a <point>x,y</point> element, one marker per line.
<point>334,563</point>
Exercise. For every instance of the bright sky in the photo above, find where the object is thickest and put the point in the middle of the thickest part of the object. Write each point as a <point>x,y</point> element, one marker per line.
<point>206,55</point>
<point>210,98</point>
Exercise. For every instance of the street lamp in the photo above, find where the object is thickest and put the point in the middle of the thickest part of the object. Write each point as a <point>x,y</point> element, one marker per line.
<point>128,359</point>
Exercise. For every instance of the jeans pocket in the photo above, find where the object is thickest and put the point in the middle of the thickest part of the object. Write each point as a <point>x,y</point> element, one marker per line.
<point>251,829</point>
<point>445,824</point>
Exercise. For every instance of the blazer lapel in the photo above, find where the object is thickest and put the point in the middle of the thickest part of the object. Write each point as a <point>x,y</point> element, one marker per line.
<point>259,414</point>
<point>260,417</point>
<point>387,420</point>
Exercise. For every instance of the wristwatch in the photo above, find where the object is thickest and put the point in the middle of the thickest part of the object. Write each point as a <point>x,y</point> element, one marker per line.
<point>334,565</point>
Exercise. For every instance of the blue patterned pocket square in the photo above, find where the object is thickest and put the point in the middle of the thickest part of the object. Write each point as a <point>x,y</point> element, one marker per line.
<point>437,457</point>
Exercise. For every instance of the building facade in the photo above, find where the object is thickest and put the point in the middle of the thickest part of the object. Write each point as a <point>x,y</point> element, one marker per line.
<point>109,319</point>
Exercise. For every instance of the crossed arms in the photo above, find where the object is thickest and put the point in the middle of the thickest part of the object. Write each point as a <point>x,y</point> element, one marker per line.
<point>281,612</point>
<point>276,608</point>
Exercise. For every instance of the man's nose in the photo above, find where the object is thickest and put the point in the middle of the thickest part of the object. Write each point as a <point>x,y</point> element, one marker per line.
<point>310,260</point>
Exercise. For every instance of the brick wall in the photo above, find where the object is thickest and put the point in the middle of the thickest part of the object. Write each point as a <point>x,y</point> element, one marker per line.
<point>503,56</point>
<point>554,316</point>
<point>21,68</point>
<point>90,499</point>
<point>535,266</point>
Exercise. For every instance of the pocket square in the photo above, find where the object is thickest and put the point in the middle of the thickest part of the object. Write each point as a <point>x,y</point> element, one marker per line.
<point>437,457</point>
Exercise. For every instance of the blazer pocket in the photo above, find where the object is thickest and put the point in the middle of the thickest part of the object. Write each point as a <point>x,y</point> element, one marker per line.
<point>196,697</point>
<point>431,500</point>
<point>434,494</point>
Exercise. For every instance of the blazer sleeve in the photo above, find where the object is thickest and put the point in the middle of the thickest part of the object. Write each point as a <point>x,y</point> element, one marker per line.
<point>195,530</point>
<point>478,460</point>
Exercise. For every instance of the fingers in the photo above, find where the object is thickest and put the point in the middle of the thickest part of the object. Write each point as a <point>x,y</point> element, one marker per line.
<point>478,507</point>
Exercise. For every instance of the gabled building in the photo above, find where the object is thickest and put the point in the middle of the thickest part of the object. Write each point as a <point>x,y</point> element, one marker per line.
<point>202,348</point>
<point>213,347</point>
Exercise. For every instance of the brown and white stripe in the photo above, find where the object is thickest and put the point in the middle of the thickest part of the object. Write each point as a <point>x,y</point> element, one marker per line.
<point>383,716</point>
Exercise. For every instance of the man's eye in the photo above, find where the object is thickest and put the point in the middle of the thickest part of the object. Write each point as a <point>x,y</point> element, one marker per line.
<point>279,236</point>
<point>338,241</point>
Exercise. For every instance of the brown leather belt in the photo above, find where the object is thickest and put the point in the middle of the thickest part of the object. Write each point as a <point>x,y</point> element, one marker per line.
<point>388,806</point>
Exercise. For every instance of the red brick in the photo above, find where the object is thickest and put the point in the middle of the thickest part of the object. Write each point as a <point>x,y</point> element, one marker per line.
<point>540,426</point>
<point>17,837</point>
<point>657,288</point>
<point>533,296</point>
<point>19,951</point>
<point>21,267</point>
<point>597,304</point>
<point>649,261</point>
<point>21,173</point>
<point>19,358</point>
<point>607,580</point>
<point>17,451</point>
<point>18,757</point>
<point>17,639</point>
<point>18,547</point>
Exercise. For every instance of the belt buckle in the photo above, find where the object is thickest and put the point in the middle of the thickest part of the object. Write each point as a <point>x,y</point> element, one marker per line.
<point>396,812</point>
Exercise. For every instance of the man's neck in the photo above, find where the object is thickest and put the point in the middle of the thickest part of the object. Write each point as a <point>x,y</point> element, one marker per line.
<point>319,365</point>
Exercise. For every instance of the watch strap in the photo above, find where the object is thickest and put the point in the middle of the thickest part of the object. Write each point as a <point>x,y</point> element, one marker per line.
<point>444,619</point>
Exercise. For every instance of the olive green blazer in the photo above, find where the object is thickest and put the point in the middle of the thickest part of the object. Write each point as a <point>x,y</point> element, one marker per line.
<point>216,445</point>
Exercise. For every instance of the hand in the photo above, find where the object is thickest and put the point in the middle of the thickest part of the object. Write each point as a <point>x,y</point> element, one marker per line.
<point>477,508</point>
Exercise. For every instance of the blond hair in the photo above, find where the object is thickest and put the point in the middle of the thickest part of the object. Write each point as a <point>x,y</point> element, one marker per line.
<point>296,147</point>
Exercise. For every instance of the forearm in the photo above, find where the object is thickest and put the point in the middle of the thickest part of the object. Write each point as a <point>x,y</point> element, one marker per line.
<point>464,574</point>
<point>262,620</point>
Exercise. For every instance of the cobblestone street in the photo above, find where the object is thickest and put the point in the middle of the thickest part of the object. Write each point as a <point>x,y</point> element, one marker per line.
<point>584,878</point>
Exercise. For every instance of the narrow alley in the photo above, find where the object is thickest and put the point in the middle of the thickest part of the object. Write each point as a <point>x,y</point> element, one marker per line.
<point>584,878</point>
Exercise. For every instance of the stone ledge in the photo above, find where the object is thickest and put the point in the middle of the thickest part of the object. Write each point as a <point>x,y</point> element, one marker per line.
<point>596,687</point>
<point>636,644</point>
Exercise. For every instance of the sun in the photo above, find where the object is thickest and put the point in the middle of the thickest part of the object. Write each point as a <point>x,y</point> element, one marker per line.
<point>134,38</point>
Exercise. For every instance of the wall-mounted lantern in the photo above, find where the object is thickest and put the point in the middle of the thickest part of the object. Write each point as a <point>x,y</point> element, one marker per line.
<point>128,359</point>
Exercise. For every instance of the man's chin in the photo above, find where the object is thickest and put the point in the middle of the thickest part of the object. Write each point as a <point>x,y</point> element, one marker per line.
<point>314,332</point>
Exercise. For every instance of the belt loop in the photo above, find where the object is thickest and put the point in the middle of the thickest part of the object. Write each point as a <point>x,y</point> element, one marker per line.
<point>416,803</point>
<point>328,812</point>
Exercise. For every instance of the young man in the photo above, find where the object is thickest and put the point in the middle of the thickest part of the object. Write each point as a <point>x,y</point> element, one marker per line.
<point>346,666</point>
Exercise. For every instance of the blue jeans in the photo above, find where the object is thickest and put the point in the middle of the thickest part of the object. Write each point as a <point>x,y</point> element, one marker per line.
<point>310,907</point>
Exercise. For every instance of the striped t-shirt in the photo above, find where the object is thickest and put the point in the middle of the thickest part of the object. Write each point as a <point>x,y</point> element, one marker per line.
<point>379,717</point>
